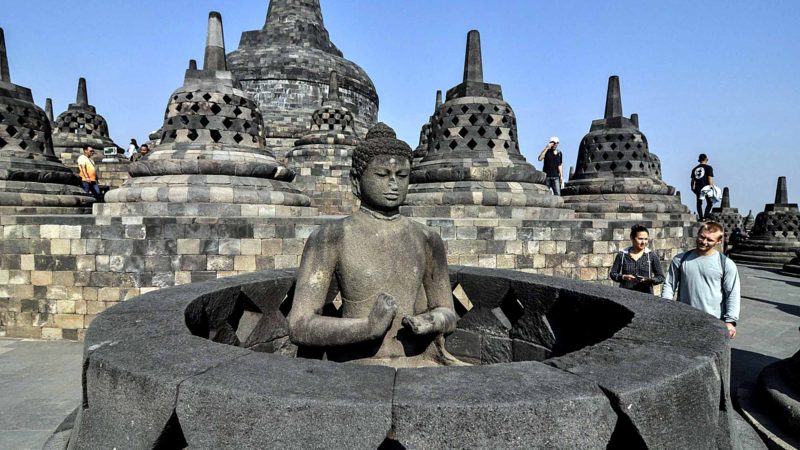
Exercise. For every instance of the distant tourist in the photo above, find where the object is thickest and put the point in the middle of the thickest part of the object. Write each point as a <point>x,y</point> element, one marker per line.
<point>144,150</point>
<point>706,279</point>
<point>637,267</point>
<point>702,176</point>
<point>552,166</point>
<point>132,149</point>
<point>88,172</point>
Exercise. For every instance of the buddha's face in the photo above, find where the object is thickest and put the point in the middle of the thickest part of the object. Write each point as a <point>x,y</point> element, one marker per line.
<point>384,184</point>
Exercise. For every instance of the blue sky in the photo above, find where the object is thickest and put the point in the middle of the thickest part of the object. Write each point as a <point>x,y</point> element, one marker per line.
<point>719,77</point>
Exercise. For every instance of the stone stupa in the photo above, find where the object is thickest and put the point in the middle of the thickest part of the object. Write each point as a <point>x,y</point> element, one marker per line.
<point>775,237</point>
<point>425,134</point>
<point>616,174</point>
<point>285,68</point>
<point>211,159</point>
<point>473,166</point>
<point>80,125</point>
<point>32,178</point>
<point>727,216</point>
<point>322,157</point>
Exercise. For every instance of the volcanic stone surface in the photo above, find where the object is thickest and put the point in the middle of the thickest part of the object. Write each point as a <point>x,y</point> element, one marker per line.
<point>727,216</point>
<point>473,156</point>
<point>285,68</point>
<point>775,237</point>
<point>32,178</point>
<point>186,366</point>
<point>616,172</point>
<point>80,125</point>
<point>212,151</point>
<point>779,385</point>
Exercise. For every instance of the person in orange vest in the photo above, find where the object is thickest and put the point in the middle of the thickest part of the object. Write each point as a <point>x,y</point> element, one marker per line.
<point>88,172</point>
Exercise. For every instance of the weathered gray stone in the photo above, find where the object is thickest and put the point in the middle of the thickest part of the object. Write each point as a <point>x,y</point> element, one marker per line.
<point>270,401</point>
<point>660,395</point>
<point>521,405</point>
<point>131,390</point>
<point>285,68</point>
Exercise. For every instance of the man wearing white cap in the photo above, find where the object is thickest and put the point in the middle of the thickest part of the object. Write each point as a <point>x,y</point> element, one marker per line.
<point>553,166</point>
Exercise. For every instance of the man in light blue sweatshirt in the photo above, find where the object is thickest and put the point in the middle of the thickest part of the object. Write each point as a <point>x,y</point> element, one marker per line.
<point>706,279</point>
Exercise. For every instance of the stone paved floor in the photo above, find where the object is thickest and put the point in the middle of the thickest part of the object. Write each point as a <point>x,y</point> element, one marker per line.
<point>40,381</point>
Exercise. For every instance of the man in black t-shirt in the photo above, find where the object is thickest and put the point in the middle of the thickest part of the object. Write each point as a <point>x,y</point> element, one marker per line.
<point>702,176</point>
<point>552,166</point>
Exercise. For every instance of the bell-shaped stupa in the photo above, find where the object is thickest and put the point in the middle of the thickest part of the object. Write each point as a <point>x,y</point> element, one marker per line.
<point>211,159</point>
<point>32,178</point>
<point>775,237</point>
<point>322,157</point>
<point>285,67</point>
<point>473,159</point>
<point>80,125</point>
<point>425,134</point>
<point>616,174</point>
<point>727,216</point>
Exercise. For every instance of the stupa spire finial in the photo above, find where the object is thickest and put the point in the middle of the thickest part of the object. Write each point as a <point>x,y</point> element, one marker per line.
<point>5,73</point>
<point>726,198</point>
<point>48,109</point>
<point>613,98</point>
<point>215,44</point>
<point>82,98</point>
<point>438,99</point>
<point>473,61</point>
<point>781,192</point>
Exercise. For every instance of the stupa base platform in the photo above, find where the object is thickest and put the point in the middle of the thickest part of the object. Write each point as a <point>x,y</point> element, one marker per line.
<point>482,193</point>
<point>765,253</point>
<point>173,209</point>
<point>486,212</point>
<point>792,268</point>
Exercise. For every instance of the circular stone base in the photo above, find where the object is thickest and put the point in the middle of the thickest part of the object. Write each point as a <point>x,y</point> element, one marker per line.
<point>203,188</point>
<point>167,209</point>
<point>156,372</point>
<point>482,193</point>
<point>791,268</point>
<point>486,212</point>
<point>764,252</point>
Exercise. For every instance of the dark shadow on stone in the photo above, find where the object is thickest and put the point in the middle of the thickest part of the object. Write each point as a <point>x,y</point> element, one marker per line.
<point>625,436</point>
<point>580,321</point>
<point>784,307</point>
<point>745,367</point>
<point>172,436</point>
<point>391,444</point>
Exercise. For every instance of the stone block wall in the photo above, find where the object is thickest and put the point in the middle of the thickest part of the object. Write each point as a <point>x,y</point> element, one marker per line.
<point>294,101</point>
<point>58,273</point>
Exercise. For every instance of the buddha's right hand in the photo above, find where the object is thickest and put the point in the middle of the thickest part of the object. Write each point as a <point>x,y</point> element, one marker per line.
<point>382,315</point>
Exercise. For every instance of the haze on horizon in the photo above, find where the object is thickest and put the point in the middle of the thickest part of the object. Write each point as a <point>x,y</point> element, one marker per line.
<point>715,77</point>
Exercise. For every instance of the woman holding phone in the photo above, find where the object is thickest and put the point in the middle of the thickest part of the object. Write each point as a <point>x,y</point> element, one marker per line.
<point>637,267</point>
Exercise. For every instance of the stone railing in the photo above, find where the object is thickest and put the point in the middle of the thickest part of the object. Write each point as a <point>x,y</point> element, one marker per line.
<point>585,366</point>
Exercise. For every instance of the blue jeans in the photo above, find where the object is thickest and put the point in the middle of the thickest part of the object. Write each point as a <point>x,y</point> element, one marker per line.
<point>554,183</point>
<point>91,188</point>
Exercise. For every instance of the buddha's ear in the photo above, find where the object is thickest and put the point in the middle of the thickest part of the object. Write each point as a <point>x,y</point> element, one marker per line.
<point>355,183</point>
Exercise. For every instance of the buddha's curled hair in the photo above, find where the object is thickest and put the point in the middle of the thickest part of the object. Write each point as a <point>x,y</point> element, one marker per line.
<point>380,140</point>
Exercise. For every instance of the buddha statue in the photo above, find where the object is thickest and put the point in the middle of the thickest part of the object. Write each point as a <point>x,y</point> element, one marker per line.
<point>391,271</point>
